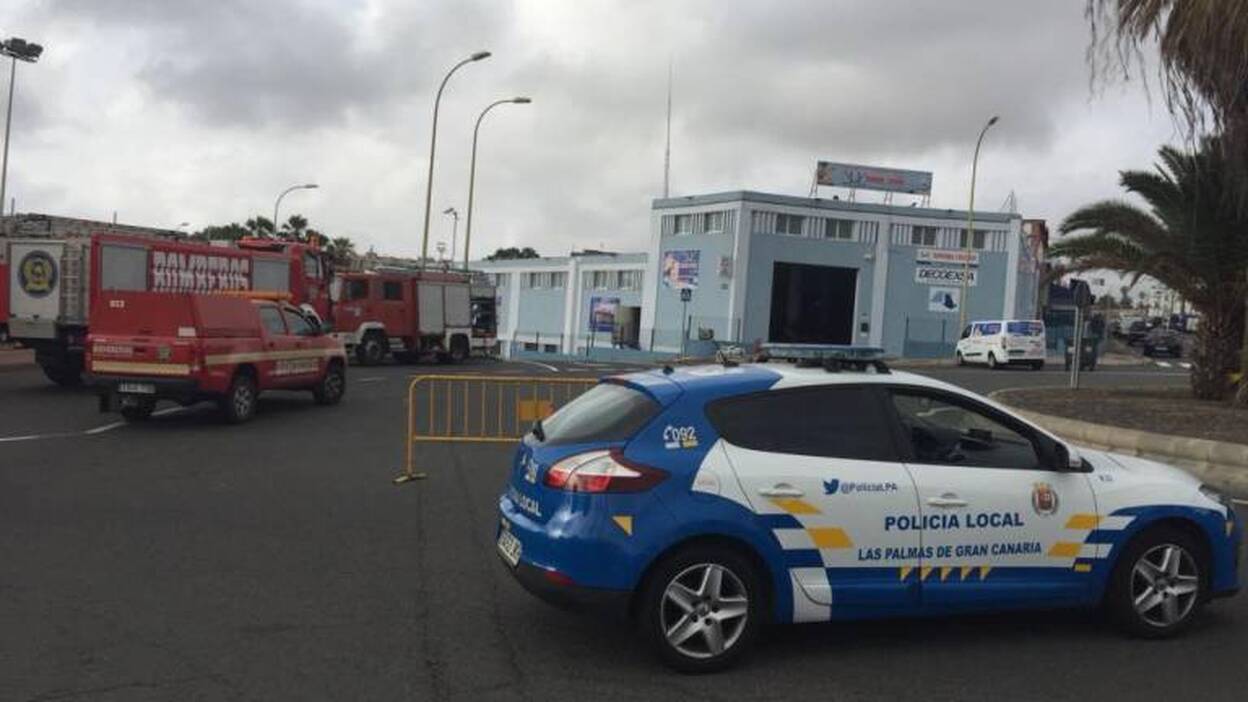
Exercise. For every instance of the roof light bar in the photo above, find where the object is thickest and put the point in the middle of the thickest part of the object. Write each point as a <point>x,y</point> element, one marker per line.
<point>834,358</point>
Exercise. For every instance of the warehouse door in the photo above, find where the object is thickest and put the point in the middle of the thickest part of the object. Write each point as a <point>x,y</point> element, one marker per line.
<point>812,304</point>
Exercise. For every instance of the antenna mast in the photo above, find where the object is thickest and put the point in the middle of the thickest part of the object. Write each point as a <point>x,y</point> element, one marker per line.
<point>667,149</point>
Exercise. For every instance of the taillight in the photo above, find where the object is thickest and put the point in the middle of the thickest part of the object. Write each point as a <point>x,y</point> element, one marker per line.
<point>601,471</point>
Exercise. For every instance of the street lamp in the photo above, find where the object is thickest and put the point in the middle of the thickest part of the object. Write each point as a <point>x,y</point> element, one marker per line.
<point>472,169</point>
<point>18,50</point>
<point>454,229</point>
<point>970,227</point>
<point>306,186</point>
<point>433,143</point>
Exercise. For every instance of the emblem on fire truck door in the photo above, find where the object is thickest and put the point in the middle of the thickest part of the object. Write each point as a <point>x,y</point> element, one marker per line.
<point>36,274</point>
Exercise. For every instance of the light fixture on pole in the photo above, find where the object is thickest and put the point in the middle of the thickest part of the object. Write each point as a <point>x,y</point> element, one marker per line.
<point>472,168</point>
<point>454,229</point>
<point>433,144</point>
<point>18,50</point>
<point>278,202</point>
<point>970,228</point>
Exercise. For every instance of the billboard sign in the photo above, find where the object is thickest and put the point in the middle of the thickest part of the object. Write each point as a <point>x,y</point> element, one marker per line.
<point>680,269</point>
<point>946,256</point>
<point>944,300</point>
<point>941,275</point>
<point>602,313</point>
<point>848,175</point>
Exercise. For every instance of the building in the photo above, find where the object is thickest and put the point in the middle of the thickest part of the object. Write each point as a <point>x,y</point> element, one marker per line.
<point>750,267</point>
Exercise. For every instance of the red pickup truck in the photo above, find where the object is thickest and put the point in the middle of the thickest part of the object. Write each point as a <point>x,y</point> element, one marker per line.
<point>190,347</point>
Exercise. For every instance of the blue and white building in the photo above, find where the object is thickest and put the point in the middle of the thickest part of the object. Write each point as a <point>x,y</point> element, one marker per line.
<point>748,266</point>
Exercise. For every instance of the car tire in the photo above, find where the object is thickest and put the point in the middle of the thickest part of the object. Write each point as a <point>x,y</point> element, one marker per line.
<point>332,386</point>
<point>1037,365</point>
<point>707,594</point>
<point>459,350</point>
<point>67,374</point>
<point>139,409</point>
<point>992,361</point>
<point>371,351</point>
<point>239,403</point>
<point>960,360</point>
<point>1143,575</point>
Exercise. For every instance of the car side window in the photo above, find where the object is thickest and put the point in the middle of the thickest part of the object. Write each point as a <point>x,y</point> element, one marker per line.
<point>829,421</point>
<point>298,324</point>
<point>271,318</point>
<point>992,329</point>
<point>943,430</point>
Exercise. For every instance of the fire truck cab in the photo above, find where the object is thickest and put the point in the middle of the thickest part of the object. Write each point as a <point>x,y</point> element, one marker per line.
<point>410,314</point>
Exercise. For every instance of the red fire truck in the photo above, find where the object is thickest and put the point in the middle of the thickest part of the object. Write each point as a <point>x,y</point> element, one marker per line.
<point>410,313</point>
<point>147,346</point>
<point>56,282</point>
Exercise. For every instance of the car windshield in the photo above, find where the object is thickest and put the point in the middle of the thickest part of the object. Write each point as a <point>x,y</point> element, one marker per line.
<point>1025,328</point>
<point>607,412</point>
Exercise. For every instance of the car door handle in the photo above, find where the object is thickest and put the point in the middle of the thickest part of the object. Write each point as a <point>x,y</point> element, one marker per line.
<point>781,490</point>
<point>946,501</point>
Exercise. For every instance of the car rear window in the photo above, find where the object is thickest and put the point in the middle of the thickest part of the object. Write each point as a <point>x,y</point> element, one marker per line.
<point>1024,328</point>
<point>606,412</point>
<point>832,422</point>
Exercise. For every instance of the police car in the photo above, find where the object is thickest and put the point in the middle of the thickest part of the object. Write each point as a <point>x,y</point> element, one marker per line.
<point>709,501</point>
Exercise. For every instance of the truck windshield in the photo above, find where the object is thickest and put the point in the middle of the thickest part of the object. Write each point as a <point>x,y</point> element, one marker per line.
<point>1024,328</point>
<point>607,412</point>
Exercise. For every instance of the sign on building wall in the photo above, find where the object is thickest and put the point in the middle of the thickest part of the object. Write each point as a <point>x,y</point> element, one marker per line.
<point>602,313</point>
<point>680,269</point>
<point>725,266</point>
<point>848,175</point>
<point>946,256</point>
<point>944,299</point>
<point>942,275</point>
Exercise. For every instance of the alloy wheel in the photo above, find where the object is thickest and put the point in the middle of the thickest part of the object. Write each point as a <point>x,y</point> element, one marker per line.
<point>704,610</point>
<point>1165,584</point>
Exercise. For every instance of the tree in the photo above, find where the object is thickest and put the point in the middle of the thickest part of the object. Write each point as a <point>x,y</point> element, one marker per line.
<point>295,228</point>
<point>341,250</point>
<point>1193,240</point>
<point>259,226</point>
<point>511,253</point>
<point>228,232</point>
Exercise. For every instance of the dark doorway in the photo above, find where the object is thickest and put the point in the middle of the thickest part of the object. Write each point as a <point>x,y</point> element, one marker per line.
<point>812,304</point>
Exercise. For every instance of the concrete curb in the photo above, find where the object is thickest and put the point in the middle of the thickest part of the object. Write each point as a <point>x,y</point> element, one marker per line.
<point>1221,464</point>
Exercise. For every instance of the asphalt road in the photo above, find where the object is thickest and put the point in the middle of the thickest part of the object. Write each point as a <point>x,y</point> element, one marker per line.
<point>185,559</point>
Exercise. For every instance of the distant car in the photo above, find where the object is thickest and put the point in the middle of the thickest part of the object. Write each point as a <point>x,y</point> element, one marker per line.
<point>1137,331</point>
<point>707,502</point>
<point>1002,342</point>
<point>1162,340</point>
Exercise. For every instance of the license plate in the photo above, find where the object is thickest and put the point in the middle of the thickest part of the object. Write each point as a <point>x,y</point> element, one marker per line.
<point>509,547</point>
<point>137,388</point>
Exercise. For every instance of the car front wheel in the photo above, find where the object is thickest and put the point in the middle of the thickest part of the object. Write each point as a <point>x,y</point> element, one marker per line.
<point>1159,583</point>
<point>239,404</point>
<point>332,387</point>
<point>702,608</point>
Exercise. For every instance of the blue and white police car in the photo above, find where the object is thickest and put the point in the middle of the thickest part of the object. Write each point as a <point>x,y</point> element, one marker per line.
<point>707,502</point>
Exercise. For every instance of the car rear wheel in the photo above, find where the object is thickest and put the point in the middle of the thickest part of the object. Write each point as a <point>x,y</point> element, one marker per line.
<point>370,351</point>
<point>1037,365</point>
<point>1159,583</point>
<point>992,361</point>
<point>702,608</point>
<point>332,387</point>
<point>459,349</point>
<point>239,404</point>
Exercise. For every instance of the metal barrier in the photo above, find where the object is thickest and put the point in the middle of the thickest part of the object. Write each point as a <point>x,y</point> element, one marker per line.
<point>479,409</point>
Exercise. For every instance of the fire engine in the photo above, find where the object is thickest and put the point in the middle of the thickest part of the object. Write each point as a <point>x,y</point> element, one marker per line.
<point>55,279</point>
<point>226,346</point>
<point>409,313</point>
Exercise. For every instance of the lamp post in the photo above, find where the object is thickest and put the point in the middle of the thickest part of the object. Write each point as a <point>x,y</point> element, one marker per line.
<point>970,227</point>
<point>454,229</point>
<point>17,50</point>
<point>277,203</point>
<point>433,144</point>
<point>472,168</point>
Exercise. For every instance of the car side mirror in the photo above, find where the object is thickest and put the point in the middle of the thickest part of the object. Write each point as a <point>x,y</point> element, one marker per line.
<point>1067,459</point>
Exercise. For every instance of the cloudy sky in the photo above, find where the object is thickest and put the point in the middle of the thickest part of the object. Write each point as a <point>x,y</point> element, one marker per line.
<point>183,110</point>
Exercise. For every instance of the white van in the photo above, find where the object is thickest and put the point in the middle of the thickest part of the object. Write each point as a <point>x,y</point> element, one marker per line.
<point>1003,342</point>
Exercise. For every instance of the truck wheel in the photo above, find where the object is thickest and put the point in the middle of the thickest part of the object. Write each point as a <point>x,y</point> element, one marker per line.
<point>702,607</point>
<point>1158,584</point>
<point>66,374</point>
<point>137,409</point>
<point>332,387</point>
<point>459,349</point>
<point>239,404</point>
<point>370,351</point>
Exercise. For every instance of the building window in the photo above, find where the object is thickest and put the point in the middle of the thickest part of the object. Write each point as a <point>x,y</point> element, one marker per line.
<point>923,236</point>
<point>630,280</point>
<point>789,224</point>
<point>558,279</point>
<point>839,229</point>
<point>499,280</point>
<point>714,223</point>
<point>600,280</point>
<point>682,224</point>
<point>977,241</point>
<point>546,280</point>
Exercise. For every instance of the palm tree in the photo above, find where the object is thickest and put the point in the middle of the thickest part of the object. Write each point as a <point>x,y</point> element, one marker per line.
<point>1192,239</point>
<point>341,250</point>
<point>259,226</point>
<point>295,228</point>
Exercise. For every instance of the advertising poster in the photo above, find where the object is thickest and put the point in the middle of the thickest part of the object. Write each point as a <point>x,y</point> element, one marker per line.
<point>944,299</point>
<point>680,269</point>
<point>602,312</point>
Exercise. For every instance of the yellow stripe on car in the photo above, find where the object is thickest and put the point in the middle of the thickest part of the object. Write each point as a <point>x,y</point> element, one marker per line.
<point>139,367</point>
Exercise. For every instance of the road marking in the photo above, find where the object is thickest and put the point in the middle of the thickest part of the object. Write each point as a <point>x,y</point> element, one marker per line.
<point>28,437</point>
<point>167,410</point>
<point>372,379</point>
<point>537,363</point>
<point>1163,364</point>
<point>1186,365</point>
<point>106,427</point>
